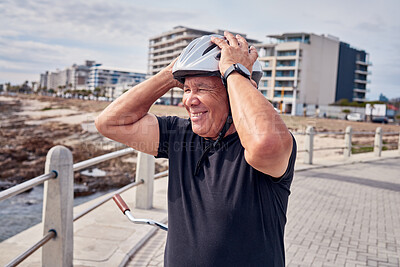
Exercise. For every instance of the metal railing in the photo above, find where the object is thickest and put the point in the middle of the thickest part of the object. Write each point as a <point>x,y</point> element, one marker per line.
<point>348,144</point>
<point>58,200</point>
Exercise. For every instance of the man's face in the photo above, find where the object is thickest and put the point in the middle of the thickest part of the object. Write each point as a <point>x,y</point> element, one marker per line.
<point>206,101</point>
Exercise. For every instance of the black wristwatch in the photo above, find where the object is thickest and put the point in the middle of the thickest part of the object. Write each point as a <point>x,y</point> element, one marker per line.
<point>239,68</point>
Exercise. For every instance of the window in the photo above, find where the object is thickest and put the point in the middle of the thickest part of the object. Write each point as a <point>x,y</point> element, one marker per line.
<point>361,77</point>
<point>360,85</point>
<point>286,53</point>
<point>286,63</point>
<point>266,64</point>
<point>284,73</point>
<point>294,39</point>
<point>265,84</point>
<point>283,83</point>
<point>285,93</point>
<point>267,73</point>
<point>362,68</point>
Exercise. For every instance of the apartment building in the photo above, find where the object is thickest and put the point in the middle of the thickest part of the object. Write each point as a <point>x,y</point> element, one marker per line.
<point>113,80</point>
<point>305,69</point>
<point>353,73</point>
<point>167,46</point>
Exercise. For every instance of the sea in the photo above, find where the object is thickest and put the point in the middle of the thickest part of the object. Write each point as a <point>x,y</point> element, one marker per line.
<point>23,211</point>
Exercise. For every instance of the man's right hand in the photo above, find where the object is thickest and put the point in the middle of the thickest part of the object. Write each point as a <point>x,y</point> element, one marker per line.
<point>168,69</point>
<point>126,120</point>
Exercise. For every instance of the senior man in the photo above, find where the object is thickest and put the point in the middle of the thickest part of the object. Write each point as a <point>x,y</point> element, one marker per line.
<point>230,165</point>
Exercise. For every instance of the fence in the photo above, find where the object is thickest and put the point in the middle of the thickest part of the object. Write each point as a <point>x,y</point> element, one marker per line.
<point>348,144</point>
<point>58,191</point>
<point>58,200</point>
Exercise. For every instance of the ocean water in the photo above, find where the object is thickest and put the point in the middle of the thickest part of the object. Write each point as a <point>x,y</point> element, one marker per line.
<point>23,211</point>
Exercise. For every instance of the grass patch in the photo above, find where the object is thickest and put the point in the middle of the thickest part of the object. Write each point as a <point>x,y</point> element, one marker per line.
<point>358,150</point>
<point>46,108</point>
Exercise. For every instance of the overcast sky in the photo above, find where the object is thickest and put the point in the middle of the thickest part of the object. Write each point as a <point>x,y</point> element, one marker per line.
<point>41,35</point>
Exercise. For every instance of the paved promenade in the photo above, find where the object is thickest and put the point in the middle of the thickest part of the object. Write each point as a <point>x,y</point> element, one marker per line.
<point>347,215</point>
<point>341,213</point>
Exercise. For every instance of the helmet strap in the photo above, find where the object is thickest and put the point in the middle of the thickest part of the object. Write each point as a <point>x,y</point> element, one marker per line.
<point>225,128</point>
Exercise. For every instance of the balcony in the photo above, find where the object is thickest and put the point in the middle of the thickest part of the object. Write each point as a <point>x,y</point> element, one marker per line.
<point>363,63</point>
<point>362,72</point>
<point>361,81</point>
<point>162,57</point>
<point>267,68</point>
<point>287,57</point>
<point>180,45</point>
<point>286,67</point>
<point>174,40</point>
<point>284,78</point>
<point>359,99</point>
<point>360,90</point>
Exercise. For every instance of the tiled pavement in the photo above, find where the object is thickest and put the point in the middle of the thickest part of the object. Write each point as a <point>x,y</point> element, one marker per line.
<point>338,216</point>
<point>345,216</point>
<point>152,253</point>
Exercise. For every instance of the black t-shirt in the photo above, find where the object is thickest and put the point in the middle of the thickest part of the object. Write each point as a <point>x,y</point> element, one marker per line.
<point>229,214</point>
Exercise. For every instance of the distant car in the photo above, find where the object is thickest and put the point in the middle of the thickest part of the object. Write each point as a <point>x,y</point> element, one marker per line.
<point>160,102</point>
<point>380,119</point>
<point>355,117</point>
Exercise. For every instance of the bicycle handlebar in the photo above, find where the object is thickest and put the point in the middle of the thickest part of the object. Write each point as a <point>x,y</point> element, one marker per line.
<point>126,211</point>
<point>120,203</point>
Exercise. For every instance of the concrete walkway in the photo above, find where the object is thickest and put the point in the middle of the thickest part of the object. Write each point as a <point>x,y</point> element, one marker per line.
<point>341,213</point>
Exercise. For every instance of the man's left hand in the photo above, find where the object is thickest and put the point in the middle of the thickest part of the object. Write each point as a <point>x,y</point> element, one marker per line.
<point>234,49</point>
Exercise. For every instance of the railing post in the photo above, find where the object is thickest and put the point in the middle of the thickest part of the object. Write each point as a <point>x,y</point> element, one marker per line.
<point>378,142</point>
<point>347,142</point>
<point>145,171</point>
<point>58,197</point>
<point>309,142</point>
<point>398,145</point>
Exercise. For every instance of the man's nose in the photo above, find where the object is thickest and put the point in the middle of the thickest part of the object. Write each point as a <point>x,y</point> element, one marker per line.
<point>192,100</point>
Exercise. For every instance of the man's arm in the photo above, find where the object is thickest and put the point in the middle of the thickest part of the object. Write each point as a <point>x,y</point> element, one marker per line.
<point>263,134</point>
<point>127,120</point>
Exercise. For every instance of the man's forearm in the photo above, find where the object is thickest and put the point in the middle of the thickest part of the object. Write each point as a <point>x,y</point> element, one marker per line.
<point>255,118</point>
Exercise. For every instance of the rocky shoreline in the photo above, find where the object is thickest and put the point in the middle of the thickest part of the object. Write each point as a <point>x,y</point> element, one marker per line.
<point>25,141</point>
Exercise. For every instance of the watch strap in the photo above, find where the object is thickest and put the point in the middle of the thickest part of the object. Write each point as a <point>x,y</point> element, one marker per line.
<point>229,71</point>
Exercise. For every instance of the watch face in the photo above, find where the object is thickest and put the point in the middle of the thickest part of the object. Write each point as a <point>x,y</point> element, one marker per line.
<point>243,69</point>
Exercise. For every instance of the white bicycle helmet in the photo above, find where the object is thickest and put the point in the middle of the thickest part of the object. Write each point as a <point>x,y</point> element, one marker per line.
<point>201,58</point>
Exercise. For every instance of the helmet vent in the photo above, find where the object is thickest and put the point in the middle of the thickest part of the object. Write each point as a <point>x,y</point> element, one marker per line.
<point>211,47</point>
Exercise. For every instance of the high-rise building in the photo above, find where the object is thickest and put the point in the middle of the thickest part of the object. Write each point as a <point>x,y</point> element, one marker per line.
<point>352,73</point>
<point>167,46</point>
<point>303,69</point>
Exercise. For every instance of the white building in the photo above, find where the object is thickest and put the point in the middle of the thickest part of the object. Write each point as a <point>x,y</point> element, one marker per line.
<point>113,80</point>
<point>72,78</point>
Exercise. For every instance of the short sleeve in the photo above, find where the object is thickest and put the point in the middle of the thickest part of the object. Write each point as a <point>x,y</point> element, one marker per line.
<point>288,175</point>
<point>165,125</point>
